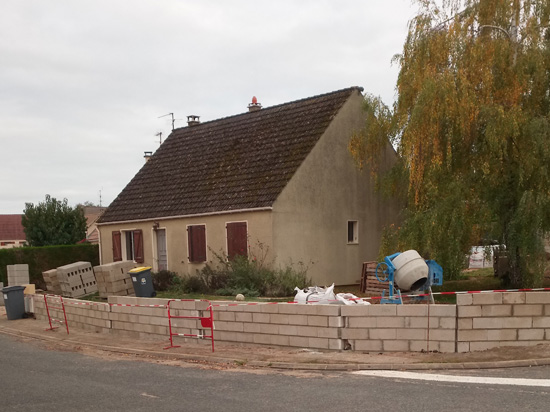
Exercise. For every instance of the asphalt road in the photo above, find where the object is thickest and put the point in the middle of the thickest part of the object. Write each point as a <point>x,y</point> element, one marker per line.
<point>36,379</point>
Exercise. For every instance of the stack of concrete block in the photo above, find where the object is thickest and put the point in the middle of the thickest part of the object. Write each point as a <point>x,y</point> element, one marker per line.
<point>77,279</point>
<point>1,294</point>
<point>18,275</point>
<point>52,282</point>
<point>113,279</point>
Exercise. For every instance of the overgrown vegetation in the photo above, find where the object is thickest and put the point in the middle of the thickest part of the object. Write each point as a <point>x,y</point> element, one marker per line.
<point>252,277</point>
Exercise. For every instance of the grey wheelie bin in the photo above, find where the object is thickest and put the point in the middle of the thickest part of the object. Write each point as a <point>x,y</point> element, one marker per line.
<point>143,282</point>
<point>14,300</point>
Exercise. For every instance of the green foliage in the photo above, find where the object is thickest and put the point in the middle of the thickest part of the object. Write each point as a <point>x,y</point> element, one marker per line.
<point>164,280</point>
<point>41,259</point>
<point>53,222</point>
<point>472,130</point>
<point>251,277</point>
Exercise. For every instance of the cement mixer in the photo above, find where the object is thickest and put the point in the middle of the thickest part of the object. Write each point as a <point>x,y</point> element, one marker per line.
<point>407,271</point>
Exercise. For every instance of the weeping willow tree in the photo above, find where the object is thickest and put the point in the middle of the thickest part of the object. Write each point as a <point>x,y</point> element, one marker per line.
<point>471,127</point>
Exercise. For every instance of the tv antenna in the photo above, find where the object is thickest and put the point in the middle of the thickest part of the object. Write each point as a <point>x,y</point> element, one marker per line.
<point>173,120</point>
<point>159,134</point>
<point>100,196</point>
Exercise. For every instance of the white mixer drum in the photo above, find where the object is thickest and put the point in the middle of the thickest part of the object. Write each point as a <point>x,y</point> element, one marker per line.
<point>411,271</point>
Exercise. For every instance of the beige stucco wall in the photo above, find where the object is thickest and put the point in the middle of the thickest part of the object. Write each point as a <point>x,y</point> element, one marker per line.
<point>311,214</point>
<point>259,233</point>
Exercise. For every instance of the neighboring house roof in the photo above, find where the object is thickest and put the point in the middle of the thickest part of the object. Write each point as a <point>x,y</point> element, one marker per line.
<point>92,214</point>
<point>11,227</point>
<point>234,163</point>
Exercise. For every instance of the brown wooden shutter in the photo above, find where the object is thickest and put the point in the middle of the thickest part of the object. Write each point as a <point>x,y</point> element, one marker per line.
<point>196,240</point>
<point>138,246</point>
<point>117,247</point>
<point>237,239</point>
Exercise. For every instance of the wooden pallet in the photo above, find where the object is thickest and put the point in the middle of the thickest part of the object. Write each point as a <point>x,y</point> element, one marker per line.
<point>369,283</point>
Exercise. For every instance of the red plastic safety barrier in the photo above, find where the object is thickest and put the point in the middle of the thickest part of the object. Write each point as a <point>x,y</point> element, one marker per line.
<point>61,308</point>
<point>207,322</point>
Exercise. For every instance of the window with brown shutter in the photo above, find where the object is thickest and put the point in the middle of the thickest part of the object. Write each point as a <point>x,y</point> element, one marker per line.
<point>196,243</point>
<point>117,247</point>
<point>237,239</point>
<point>138,246</point>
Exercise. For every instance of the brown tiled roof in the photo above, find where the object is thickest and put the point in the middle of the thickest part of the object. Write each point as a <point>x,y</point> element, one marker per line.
<point>238,162</point>
<point>11,228</point>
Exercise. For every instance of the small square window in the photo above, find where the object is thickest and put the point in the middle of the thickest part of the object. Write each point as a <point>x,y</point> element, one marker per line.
<point>353,231</point>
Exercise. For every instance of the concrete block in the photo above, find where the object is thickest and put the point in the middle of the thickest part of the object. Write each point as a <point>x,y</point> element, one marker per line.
<point>251,327</point>
<point>420,322</point>
<point>290,330</point>
<point>361,322</point>
<point>469,311</point>
<point>336,322</point>
<point>462,347</point>
<point>355,334</point>
<point>447,347</point>
<point>358,310</point>
<point>269,308</point>
<point>290,308</point>
<point>442,310</point>
<point>272,340</point>
<point>447,323</point>
<point>487,298</point>
<point>543,322</point>
<point>269,328</point>
<point>502,334</point>
<point>478,346</point>
<point>395,345</point>
<point>243,317</point>
<point>537,297</point>
<point>488,323</point>
<point>523,322</point>
<point>317,321</point>
<point>382,310</point>
<point>368,345</point>
<point>390,322</point>
<point>336,344</point>
<point>475,335</point>
<point>513,297</point>
<point>225,316</point>
<point>466,323</point>
<point>412,310</point>
<point>411,334</point>
<point>422,345</point>
<point>547,310</point>
<point>531,334</point>
<point>299,341</point>
<point>280,319</point>
<point>383,334</point>
<point>332,333</point>
<point>496,310</point>
<point>445,335</point>
<point>260,317</point>
<point>297,319</point>
<point>464,299</point>
<point>318,343</point>
<point>528,310</point>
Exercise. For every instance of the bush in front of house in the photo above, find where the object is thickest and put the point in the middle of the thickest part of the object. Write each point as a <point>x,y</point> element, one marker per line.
<point>252,277</point>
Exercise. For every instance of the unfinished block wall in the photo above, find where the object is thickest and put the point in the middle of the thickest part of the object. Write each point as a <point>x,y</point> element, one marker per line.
<point>489,320</point>
<point>403,328</point>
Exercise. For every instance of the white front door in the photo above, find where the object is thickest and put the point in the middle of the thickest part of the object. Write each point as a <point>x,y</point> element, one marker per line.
<point>161,250</point>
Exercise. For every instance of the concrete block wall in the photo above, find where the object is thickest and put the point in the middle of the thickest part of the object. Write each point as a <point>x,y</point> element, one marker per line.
<point>402,328</point>
<point>284,324</point>
<point>489,320</point>
<point>94,317</point>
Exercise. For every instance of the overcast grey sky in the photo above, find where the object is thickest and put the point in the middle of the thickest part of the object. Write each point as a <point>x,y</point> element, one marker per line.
<point>82,83</point>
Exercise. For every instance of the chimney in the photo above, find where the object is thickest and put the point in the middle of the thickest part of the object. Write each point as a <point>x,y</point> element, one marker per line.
<point>147,156</point>
<point>254,106</point>
<point>193,120</point>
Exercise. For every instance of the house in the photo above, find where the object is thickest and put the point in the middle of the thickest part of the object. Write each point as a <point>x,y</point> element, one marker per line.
<point>279,179</point>
<point>11,231</point>
<point>92,214</point>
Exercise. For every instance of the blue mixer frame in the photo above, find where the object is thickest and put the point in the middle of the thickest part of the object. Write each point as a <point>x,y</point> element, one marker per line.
<point>435,277</point>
